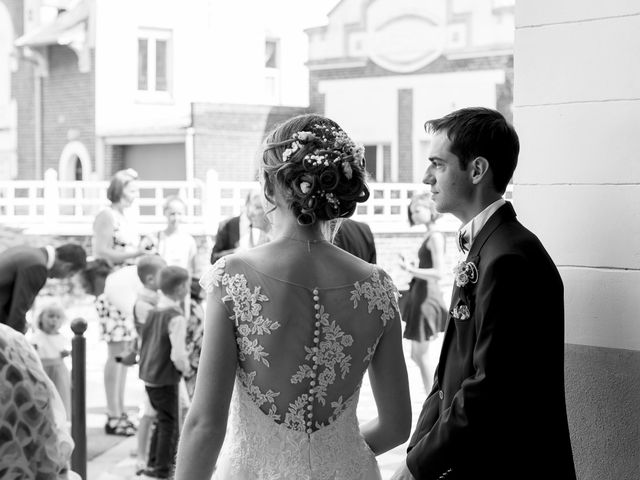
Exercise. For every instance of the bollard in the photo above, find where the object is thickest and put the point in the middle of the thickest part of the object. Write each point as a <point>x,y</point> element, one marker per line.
<point>78,398</point>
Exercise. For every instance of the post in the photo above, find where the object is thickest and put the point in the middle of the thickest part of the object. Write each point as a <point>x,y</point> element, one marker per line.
<point>78,398</point>
<point>51,196</point>
<point>211,210</point>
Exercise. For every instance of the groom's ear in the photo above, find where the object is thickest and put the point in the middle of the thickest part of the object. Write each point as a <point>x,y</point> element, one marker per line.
<point>478,169</point>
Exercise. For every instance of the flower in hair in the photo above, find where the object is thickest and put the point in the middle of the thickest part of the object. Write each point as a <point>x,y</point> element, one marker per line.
<point>304,136</point>
<point>346,169</point>
<point>305,187</point>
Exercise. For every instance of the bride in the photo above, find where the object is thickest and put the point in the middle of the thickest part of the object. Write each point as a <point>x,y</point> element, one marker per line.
<point>292,326</point>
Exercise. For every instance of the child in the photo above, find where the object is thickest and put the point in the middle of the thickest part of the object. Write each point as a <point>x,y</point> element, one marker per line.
<point>163,360</point>
<point>148,268</point>
<point>52,348</point>
<point>175,245</point>
<point>194,333</point>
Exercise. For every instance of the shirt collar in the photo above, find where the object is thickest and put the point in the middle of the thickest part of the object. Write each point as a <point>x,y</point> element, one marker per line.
<point>51,256</point>
<point>470,230</point>
<point>164,301</point>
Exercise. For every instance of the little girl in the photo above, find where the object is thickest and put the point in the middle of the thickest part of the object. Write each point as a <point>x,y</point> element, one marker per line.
<point>52,348</point>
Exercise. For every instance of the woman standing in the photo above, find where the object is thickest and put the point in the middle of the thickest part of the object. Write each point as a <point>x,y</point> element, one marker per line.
<point>424,312</point>
<point>117,241</point>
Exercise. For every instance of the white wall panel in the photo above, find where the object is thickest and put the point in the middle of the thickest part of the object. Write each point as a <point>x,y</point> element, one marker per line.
<point>602,307</point>
<point>571,62</point>
<point>537,12</point>
<point>579,143</point>
<point>595,225</point>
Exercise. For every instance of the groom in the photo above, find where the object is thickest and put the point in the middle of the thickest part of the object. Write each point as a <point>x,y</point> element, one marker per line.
<point>497,407</point>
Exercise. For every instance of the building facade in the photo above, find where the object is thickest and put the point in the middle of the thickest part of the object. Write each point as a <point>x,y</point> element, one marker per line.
<point>382,68</point>
<point>88,87</point>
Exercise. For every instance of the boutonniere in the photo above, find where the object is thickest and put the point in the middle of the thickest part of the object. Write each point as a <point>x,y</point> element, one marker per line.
<point>460,312</point>
<point>464,273</point>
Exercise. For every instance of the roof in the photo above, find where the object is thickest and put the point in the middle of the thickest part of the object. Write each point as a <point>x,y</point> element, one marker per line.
<point>61,31</point>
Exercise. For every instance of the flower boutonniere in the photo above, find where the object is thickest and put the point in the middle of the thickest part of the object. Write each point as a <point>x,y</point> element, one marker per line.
<point>465,273</point>
<point>461,312</point>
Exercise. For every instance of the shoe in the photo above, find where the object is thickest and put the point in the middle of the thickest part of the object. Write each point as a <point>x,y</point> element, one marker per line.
<point>121,426</point>
<point>151,474</point>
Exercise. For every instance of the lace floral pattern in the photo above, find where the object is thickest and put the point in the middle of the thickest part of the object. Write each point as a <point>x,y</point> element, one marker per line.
<point>286,438</point>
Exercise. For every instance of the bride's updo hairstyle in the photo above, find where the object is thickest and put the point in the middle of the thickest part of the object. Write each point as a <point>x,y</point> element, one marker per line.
<point>316,167</point>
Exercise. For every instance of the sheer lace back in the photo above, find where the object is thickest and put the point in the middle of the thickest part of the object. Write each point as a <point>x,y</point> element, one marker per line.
<point>302,350</point>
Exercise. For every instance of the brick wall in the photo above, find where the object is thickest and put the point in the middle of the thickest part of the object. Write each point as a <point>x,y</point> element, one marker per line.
<point>405,135</point>
<point>113,159</point>
<point>227,137</point>
<point>68,105</point>
<point>22,89</point>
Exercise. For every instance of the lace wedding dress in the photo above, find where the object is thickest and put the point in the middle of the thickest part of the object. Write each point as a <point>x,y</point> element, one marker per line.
<point>302,354</point>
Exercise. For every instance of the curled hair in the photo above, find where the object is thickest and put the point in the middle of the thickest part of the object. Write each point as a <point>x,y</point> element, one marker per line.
<point>120,180</point>
<point>315,167</point>
<point>423,197</point>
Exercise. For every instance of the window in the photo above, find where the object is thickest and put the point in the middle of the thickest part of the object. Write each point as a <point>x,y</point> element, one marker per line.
<point>272,71</point>
<point>271,53</point>
<point>154,61</point>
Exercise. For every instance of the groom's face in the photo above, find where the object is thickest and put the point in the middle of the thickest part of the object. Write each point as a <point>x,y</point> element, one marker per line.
<point>451,186</point>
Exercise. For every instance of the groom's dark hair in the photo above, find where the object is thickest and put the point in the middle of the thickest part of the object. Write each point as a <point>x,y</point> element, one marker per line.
<point>481,132</point>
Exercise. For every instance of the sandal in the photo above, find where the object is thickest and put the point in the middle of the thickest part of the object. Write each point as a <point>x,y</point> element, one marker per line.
<point>119,426</point>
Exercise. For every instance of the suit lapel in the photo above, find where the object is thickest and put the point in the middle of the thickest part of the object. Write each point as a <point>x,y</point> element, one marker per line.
<point>504,213</point>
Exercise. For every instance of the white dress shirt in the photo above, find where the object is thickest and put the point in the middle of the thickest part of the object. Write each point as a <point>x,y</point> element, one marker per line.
<point>470,230</point>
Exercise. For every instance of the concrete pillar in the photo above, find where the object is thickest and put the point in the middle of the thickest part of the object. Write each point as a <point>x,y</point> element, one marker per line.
<point>577,110</point>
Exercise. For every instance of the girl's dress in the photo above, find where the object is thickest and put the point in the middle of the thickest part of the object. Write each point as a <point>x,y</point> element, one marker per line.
<point>49,348</point>
<point>422,321</point>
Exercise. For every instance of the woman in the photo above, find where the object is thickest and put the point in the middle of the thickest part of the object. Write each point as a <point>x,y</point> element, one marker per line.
<point>295,324</point>
<point>117,241</point>
<point>424,311</point>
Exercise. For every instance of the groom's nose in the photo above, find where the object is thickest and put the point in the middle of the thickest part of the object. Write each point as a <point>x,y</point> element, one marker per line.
<point>428,178</point>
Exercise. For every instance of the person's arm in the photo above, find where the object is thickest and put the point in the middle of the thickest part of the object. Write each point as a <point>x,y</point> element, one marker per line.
<point>193,254</point>
<point>390,385</point>
<point>499,322</point>
<point>177,338</point>
<point>28,282</point>
<point>206,421</point>
<point>103,241</point>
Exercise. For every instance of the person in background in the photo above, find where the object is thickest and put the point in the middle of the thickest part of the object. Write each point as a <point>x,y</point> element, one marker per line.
<point>24,271</point>
<point>53,348</point>
<point>424,310</point>
<point>247,230</point>
<point>35,440</point>
<point>148,269</point>
<point>176,246</point>
<point>116,240</point>
<point>357,239</point>
<point>163,361</point>
<point>195,327</point>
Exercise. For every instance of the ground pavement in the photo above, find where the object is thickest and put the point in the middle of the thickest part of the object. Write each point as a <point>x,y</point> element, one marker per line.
<point>119,462</point>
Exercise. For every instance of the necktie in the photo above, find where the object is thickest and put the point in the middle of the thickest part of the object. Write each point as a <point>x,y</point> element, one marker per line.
<point>463,241</point>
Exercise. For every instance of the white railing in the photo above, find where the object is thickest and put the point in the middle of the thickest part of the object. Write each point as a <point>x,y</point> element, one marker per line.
<point>51,206</point>
<point>56,207</point>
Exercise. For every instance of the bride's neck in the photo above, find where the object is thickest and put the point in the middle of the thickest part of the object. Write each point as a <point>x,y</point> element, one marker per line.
<point>287,226</point>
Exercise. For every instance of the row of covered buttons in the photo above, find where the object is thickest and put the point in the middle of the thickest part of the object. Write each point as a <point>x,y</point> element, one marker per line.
<point>316,340</point>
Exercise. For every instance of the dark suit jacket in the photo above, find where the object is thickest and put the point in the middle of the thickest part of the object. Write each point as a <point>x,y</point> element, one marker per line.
<point>497,408</point>
<point>357,239</point>
<point>23,272</point>
<point>227,238</point>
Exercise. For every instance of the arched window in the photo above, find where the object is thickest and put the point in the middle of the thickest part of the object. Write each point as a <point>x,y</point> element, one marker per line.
<point>75,162</point>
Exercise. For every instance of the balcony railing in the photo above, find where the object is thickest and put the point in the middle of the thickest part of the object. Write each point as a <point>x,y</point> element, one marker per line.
<point>55,207</point>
